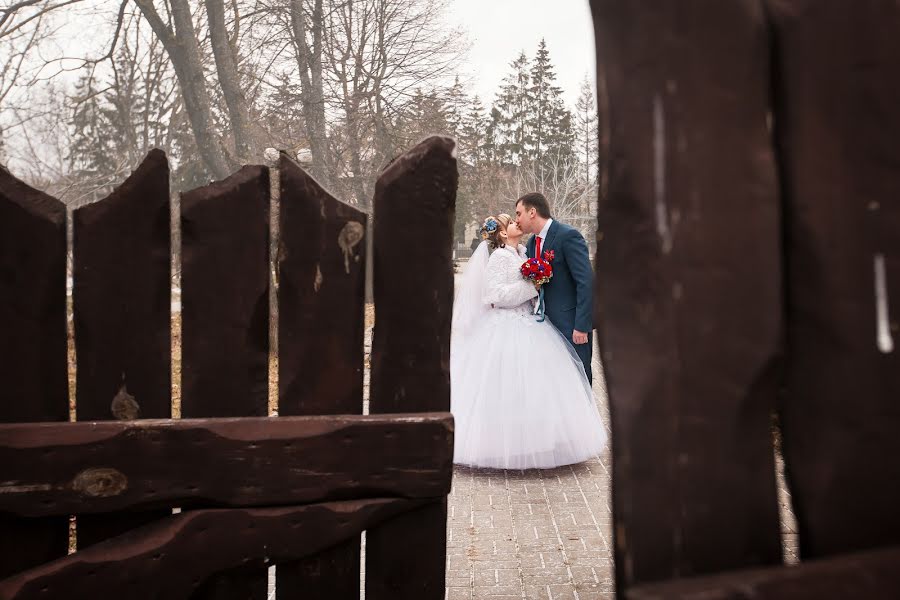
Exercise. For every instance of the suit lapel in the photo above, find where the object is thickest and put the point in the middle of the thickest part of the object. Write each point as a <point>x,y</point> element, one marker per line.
<point>529,248</point>
<point>551,236</point>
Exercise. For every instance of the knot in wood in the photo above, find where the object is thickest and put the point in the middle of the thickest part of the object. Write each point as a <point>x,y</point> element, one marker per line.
<point>124,407</point>
<point>348,238</point>
<point>101,482</point>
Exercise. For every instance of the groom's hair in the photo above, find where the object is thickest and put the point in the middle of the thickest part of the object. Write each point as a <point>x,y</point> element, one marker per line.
<point>536,201</point>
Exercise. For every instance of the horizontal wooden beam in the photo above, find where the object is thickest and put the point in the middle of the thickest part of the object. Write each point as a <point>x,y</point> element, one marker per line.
<point>874,574</point>
<point>172,557</point>
<point>90,467</point>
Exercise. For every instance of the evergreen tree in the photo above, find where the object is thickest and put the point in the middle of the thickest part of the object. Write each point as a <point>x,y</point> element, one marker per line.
<point>456,105</point>
<point>587,128</point>
<point>425,115</point>
<point>549,122</point>
<point>93,153</point>
<point>510,115</point>
<point>474,140</point>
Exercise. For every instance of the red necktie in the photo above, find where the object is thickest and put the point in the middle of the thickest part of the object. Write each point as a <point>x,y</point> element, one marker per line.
<point>537,246</point>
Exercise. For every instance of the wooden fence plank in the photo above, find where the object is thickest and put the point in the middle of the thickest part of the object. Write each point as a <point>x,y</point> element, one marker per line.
<point>321,303</point>
<point>33,348</point>
<point>413,285</point>
<point>874,574</point>
<point>225,306</point>
<point>169,558</point>
<point>839,159</point>
<point>122,300</point>
<point>102,467</point>
<point>225,318</point>
<point>688,296</point>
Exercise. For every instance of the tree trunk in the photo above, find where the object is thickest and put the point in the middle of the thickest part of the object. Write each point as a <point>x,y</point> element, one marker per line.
<point>312,96</point>
<point>184,52</point>
<point>230,81</point>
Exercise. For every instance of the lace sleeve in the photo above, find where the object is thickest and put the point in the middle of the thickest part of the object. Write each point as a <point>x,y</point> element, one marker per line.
<point>505,287</point>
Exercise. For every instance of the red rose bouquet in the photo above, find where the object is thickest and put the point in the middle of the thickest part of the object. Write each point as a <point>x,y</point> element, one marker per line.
<point>539,271</point>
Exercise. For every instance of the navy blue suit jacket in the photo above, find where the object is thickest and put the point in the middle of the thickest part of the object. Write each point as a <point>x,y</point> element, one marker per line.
<point>568,295</point>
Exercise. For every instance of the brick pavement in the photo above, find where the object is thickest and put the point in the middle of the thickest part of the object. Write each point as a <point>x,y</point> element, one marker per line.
<point>540,535</point>
<point>537,534</point>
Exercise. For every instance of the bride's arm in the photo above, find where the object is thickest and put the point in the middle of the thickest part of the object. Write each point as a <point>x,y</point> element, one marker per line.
<point>504,289</point>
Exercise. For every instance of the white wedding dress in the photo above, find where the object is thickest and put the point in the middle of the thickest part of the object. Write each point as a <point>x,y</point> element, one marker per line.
<point>519,394</point>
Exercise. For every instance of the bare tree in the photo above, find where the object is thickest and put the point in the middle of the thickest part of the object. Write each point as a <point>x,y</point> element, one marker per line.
<point>183,48</point>
<point>561,182</point>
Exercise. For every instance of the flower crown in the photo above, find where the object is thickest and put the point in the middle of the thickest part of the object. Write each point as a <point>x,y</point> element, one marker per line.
<point>489,227</point>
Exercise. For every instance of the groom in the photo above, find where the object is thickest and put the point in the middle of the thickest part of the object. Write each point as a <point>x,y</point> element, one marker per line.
<point>568,295</point>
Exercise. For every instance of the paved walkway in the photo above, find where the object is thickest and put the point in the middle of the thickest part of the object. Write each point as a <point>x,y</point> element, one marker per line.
<point>532,534</point>
<point>540,535</point>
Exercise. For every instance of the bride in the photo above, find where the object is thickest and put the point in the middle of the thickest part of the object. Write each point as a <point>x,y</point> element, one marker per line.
<point>519,393</point>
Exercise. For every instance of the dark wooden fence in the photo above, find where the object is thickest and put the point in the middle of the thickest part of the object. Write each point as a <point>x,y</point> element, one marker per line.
<point>251,491</point>
<point>748,266</point>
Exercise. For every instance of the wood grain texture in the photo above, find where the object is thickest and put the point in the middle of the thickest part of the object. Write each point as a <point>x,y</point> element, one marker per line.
<point>839,160</point>
<point>225,319</point>
<point>874,575</point>
<point>122,298</point>
<point>415,199</point>
<point>101,467</point>
<point>225,297</point>
<point>172,558</point>
<point>688,297</point>
<point>32,346</point>
<point>321,300</point>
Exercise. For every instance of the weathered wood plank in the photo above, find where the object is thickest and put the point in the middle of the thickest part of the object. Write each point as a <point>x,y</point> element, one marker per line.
<point>839,159</point>
<point>320,299</point>
<point>873,575</point>
<point>171,558</point>
<point>225,319</point>
<point>414,204</point>
<point>122,299</point>
<point>688,287</point>
<point>413,283</point>
<point>225,303</point>
<point>322,258</point>
<point>33,345</point>
<point>107,466</point>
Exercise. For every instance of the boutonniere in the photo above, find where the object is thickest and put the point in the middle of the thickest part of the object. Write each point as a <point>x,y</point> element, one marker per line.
<point>549,255</point>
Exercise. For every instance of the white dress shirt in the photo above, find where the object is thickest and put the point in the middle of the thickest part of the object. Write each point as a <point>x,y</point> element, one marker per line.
<point>543,234</point>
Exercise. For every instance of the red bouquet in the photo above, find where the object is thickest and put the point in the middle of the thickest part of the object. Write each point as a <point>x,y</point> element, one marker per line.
<point>539,271</point>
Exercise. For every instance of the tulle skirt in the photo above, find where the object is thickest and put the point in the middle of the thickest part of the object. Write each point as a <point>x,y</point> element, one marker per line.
<point>519,396</point>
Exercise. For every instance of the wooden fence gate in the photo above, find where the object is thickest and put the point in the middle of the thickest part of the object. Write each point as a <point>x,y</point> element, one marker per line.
<point>201,506</point>
<point>748,263</point>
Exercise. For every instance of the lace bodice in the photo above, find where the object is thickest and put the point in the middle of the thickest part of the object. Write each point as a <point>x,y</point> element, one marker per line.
<point>505,287</point>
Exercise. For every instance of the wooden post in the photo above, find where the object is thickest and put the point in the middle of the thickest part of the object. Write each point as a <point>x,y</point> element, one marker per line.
<point>122,304</point>
<point>413,284</point>
<point>225,320</point>
<point>33,346</point>
<point>688,298</point>
<point>839,159</point>
<point>321,291</point>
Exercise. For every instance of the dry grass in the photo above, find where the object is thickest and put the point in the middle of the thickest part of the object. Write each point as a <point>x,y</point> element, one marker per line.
<point>176,365</point>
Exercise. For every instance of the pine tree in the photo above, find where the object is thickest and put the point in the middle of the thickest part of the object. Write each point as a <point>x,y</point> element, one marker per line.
<point>426,115</point>
<point>456,105</point>
<point>586,130</point>
<point>474,141</point>
<point>511,113</point>
<point>549,122</point>
<point>93,153</point>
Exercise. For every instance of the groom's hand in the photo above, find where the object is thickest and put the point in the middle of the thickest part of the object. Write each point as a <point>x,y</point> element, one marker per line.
<point>579,337</point>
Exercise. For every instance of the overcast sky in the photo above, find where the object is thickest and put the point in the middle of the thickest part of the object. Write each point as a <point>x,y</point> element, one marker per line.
<point>500,29</point>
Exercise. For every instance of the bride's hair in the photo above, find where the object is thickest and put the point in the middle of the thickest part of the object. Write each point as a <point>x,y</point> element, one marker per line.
<point>492,227</point>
